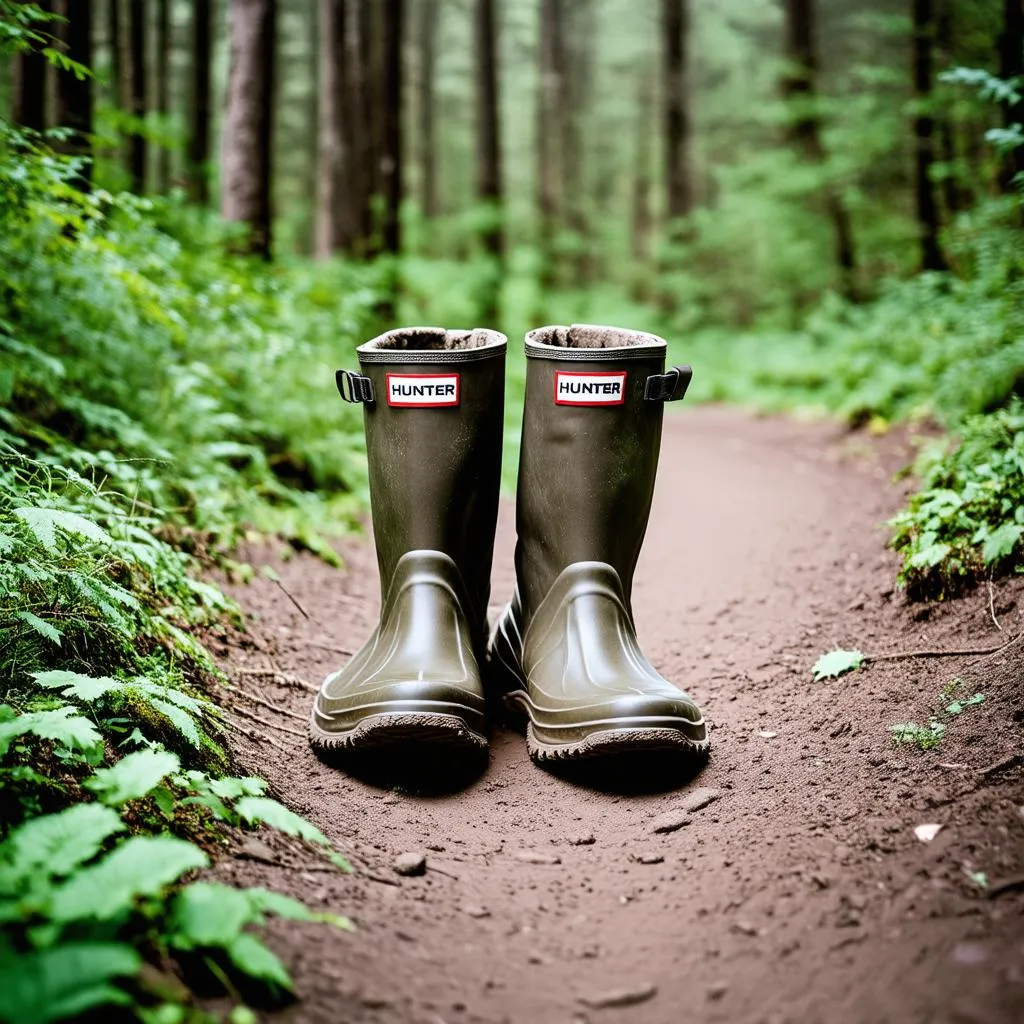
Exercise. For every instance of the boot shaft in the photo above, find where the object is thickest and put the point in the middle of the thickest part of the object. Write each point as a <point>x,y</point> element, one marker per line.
<point>591,438</point>
<point>433,440</point>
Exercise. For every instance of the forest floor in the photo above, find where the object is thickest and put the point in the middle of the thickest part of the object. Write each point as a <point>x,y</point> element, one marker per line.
<point>799,894</point>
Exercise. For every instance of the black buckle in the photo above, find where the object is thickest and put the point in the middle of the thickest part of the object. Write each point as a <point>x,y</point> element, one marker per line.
<point>669,386</point>
<point>354,387</point>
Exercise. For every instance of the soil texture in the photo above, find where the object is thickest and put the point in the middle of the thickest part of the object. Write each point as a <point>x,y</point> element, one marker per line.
<point>785,884</point>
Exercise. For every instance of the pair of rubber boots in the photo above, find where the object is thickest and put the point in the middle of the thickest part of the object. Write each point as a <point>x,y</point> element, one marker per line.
<point>564,654</point>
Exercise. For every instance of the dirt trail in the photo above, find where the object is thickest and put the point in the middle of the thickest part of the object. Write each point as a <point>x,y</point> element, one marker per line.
<point>799,895</point>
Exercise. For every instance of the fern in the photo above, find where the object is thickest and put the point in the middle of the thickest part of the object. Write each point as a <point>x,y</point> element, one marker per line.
<point>132,777</point>
<point>64,726</point>
<point>61,983</point>
<point>140,866</point>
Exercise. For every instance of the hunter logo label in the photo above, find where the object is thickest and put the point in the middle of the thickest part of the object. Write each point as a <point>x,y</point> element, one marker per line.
<point>590,388</point>
<point>423,390</point>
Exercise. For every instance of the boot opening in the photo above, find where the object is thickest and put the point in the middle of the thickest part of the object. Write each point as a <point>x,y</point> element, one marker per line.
<point>434,339</point>
<point>592,336</point>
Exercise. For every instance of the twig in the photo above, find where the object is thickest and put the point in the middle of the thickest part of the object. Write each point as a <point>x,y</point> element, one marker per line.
<point>953,652</point>
<point>281,677</point>
<point>269,725</point>
<point>383,879</point>
<point>1007,762</point>
<point>328,647</point>
<point>254,734</point>
<point>991,604</point>
<point>998,888</point>
<point>287,593</point>
<point>263,703</point>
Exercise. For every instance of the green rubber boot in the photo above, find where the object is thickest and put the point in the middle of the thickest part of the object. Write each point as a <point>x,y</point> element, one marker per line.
<point>566,647</point>
<point>434,406</point>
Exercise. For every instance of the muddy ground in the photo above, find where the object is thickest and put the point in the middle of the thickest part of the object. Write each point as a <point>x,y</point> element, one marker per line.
<point>799,894</point>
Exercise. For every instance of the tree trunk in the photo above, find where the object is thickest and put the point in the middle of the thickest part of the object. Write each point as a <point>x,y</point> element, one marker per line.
<point>924,132</point>
<point>641,205</point>
<point>578,85</point>
<point>199,114</point>
<point>74,97</point>
<point>360,116</point>
<point>163,89</point>
<point>332,228</point>
<point>550,135</point>
<point>1011,65</point>
<point>248,120</point>
<point>428,29</point>
<point>137,53</point>
<point>675,28</point>
<point>489,179</point>
<point>391,123</point>
<point>800,89</point>
<point>29,104</point>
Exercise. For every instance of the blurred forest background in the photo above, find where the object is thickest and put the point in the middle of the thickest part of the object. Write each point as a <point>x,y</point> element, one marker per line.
<point>205,207</point>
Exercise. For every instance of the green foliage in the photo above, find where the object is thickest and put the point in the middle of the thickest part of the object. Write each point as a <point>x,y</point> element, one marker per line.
<point>968,517</point>
<point>836,663</point>
<point>926,737</point>
<point>922,737</point>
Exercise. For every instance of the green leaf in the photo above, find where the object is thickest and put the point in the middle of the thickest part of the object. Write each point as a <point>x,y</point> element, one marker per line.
<point>268,902</point>
<point>43,524</point>
<point>232,788</point>
<point>181,720</point>
<point>958,705</point>
<point>835,663</point>
<point>141,866</point>
<point>64,726</point>
<point>209,914</point>
<point>61,983</point>
<point>251,957</point>
<point>56,844</point>
<point>41,626</point>
<point>133,776</point>
<point>254,809</point>
<point>1001,542</point>
<point>929,556</point>
<point>73,684</point>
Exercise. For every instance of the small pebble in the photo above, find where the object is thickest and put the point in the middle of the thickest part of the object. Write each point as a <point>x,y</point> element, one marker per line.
<point>537,857</point>
<point>670,821</point>
<point>583,839</point>
<point>620,997</point>
<point>717,990</point>
<point>649,858</point>
<point>410,864</point>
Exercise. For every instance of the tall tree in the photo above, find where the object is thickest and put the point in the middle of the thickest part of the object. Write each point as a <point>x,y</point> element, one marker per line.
<point>332,205</point>
<point>248,120</point>
<point>800,89</point>
<point>678,125</point>
<point>74,95</point>
<point>390,79</point>
<point>199,113</point>
<point>923,13</point>
<point>361,97</point>
<point>550,133</point>
<point>427,32</point>
<point>162,93</point>
<point>28,107</point>
<point>640,227</point>
<point>577,82</point>
<point>488,123</point>
<point>1011,65</point>
<point>137,55</point>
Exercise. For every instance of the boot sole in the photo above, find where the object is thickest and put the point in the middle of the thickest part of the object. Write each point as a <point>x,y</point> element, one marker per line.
<point>613,739</point>
<point>406,730</point>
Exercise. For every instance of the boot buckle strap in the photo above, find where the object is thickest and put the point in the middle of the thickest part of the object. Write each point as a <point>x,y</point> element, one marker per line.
<point>354,387</point>
<point>669,386</point>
